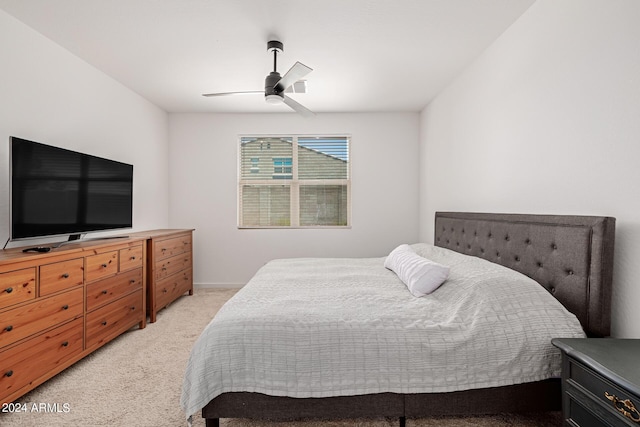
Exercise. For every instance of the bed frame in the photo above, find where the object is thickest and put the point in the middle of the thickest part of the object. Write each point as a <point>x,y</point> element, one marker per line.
<point>570,256</point>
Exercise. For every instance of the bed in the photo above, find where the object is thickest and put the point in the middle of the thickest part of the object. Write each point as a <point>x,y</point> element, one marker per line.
<point>569,256</point>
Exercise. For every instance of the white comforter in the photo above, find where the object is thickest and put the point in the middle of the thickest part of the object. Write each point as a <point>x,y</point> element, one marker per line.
<point>336,327</point>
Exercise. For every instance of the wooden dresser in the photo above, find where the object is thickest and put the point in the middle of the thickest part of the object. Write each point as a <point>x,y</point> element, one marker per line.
<point>600,381</point>
<point>59,306</point>
<point>169,267</point>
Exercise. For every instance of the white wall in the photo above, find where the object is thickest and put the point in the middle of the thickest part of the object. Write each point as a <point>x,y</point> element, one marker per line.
<point>203,171</point>
<point>50,96</point>
<point>547,120</point>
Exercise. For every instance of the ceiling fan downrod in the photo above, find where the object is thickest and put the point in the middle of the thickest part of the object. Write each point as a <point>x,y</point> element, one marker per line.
<point>270,93</point>
<point>275,47</point>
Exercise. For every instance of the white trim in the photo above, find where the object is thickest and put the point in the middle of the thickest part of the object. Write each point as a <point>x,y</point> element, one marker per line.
<point>218,285</point>
<point>290,227</point>
<point>294,204</point>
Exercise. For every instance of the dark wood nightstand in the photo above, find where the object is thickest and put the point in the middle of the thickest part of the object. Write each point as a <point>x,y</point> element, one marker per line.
<point>600,381</point>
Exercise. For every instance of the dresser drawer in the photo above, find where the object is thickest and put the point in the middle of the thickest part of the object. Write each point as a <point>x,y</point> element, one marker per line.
<point>173,246</point>
<point>107,290</point>
<point>60,276</point>
<point>167,290</point>
<point>26,362</point>
<point>173,265</point>
<point>600,388</point>
<point>17,286</point>
<point>130,258</point>
<point>101,265</point>
<point>41,314</point>
<point>111,320</point>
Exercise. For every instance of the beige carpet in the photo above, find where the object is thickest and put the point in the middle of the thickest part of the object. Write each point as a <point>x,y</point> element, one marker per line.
<point>136,381</point>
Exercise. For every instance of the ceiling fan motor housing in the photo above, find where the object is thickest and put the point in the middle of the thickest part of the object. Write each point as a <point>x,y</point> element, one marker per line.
<point>269,86</point>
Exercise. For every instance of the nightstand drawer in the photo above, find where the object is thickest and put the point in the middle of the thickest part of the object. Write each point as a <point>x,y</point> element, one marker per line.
<point>582,417</point>
<point>600,388</point>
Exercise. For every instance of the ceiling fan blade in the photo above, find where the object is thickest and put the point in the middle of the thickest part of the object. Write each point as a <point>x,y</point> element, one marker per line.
<point>251,92</point>
<point>297,87</point>
<point>297,107</point>
<point>295,73</point>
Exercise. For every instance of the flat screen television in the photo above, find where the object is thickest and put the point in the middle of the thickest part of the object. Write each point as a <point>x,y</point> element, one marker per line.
<point>57,192</point>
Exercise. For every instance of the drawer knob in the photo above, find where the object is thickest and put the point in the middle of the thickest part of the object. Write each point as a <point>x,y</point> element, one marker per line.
<point>105,292</point>
<point>625,407</point>
<point>165,291</point>
<point>105,265</point>
<point>8,290</point>
<point>104,323</point>
<point>65,276</point>
<point>9,328</point>
<point>133,307</point>
<point>8,373</point>
<point>66,343</point>
<point>132,258</point>
<point>65,307</point>
<point>132,281</point>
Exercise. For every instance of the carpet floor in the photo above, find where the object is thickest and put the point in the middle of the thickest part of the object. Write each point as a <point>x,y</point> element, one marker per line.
<point>136,380</point>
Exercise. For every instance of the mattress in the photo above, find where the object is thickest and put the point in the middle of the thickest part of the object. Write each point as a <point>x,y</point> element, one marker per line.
<point>341,327</point>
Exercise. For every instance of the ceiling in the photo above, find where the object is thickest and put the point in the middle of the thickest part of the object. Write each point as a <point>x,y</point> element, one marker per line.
<point>367,55</point>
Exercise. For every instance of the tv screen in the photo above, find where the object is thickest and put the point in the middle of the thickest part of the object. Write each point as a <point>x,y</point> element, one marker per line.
<point>55,191</point>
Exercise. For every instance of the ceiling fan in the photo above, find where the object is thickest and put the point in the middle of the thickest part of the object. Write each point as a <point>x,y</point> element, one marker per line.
<point>276,86</point>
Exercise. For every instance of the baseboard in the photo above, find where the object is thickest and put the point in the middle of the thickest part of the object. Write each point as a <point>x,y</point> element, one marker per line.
<point>218,285</point>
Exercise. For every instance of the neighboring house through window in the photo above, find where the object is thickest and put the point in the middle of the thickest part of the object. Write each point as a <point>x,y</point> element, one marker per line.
<point>294,181</point>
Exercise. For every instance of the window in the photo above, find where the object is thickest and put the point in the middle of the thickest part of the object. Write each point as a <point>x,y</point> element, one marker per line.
<point>294,181</point>
<point>255,168</point>
<point>282,167</point>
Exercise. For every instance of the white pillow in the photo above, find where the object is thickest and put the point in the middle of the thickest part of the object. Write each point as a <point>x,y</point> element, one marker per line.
<point>421,275</point>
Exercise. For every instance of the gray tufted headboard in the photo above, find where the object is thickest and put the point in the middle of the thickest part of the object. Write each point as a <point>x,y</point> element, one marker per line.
<point>571,256</point>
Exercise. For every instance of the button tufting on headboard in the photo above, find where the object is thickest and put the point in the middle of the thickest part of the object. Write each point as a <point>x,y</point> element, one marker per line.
<point>578,271</point>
